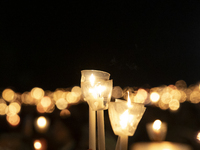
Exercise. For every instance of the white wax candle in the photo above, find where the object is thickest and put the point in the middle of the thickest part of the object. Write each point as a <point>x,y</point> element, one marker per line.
<point>92,129</point>
<point>101,131</point>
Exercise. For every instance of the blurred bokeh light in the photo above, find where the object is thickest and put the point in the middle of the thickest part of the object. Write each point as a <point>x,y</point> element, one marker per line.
<point>8,95</point>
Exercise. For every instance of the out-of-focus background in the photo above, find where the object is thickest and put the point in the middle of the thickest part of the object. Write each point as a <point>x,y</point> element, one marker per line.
<point>142,44</point>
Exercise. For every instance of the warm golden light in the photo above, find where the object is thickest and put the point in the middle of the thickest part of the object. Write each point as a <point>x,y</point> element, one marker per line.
<point>124,119</point>
<point>14,108</point>
<point>45,101</point>
<point>154,97</point>
<point>77,90</point>
<point>92,79</point>
<point>174,104</point>
<point>58,94</point>
<point>37,93</point>
<point>65,113</point>
<point>61,103</point>
<point>162,105</point>
<point>128,100</point>
<point>195,97</point>
<point>8,95</point>
<point>40,108</point>
<point>72,97</point>
<point>166,98</point>
<point>37,144</point>
<point>27,98</point>
<point>41,122</point>
<point>97,91</point>
<point>198,136</point>
<point>3,108</point>
<point>183,97</point>
<point>13,120</point>
<point>141,96</point>
<point>157,125</point>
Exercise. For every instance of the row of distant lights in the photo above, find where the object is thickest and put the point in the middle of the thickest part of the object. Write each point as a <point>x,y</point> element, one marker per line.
<point>45,101</point>
<point>165,97</point>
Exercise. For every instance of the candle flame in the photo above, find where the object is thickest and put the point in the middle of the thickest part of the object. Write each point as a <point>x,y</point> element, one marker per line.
<point>97,91</point>
<point>124,119</point>
<point>128,100</point>
<point>157,125</point>
<point>92,79</point>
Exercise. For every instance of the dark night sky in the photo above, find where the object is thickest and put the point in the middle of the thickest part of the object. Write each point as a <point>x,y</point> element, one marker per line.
<point>145,42</point>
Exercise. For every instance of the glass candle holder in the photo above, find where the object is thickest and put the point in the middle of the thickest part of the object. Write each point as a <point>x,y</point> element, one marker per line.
<point>157,130</point>
<point>96,88</point>
<point>124,118</point>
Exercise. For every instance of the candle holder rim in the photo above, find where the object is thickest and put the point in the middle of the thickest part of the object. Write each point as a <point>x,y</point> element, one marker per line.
<point>95,70</point>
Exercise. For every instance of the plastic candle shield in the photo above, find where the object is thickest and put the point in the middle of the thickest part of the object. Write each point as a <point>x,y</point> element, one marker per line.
<point>124,119</point>
<point>96,88</point>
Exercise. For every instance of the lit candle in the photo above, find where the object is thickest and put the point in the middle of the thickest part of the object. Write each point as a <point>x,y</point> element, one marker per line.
<point>96,88</point>
<point>92,122</point>
<point>157,126</point>
<point>96,92</point>
<point>157,130</point>
<point>124,117</point>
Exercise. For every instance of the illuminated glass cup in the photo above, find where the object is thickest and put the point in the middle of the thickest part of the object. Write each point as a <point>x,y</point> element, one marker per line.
<point>96,88</point>
<point>124,119</point>
<point>157,133</point>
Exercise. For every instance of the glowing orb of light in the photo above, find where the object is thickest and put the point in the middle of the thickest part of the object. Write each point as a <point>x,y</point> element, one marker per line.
<point>37,144</point>
<point>41,122</point>
<point>46,101</point>
<point>61,103</point>
<point>13,120</point>
<point>154,97</point>
<point>174,104</point>
<point>14,108</point>
<point>140,96</point>
<point>157,124</point>
<point>72,98</point>
<point>8,94</point>
<point>37,93</point>
<point>77,90</point>
<point>198,136</point>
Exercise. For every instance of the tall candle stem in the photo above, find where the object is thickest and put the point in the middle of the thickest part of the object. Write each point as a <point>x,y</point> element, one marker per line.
<point>123,142</point>
<point>118,144</point>
<point>101,131</point>
<point>92,129</point>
